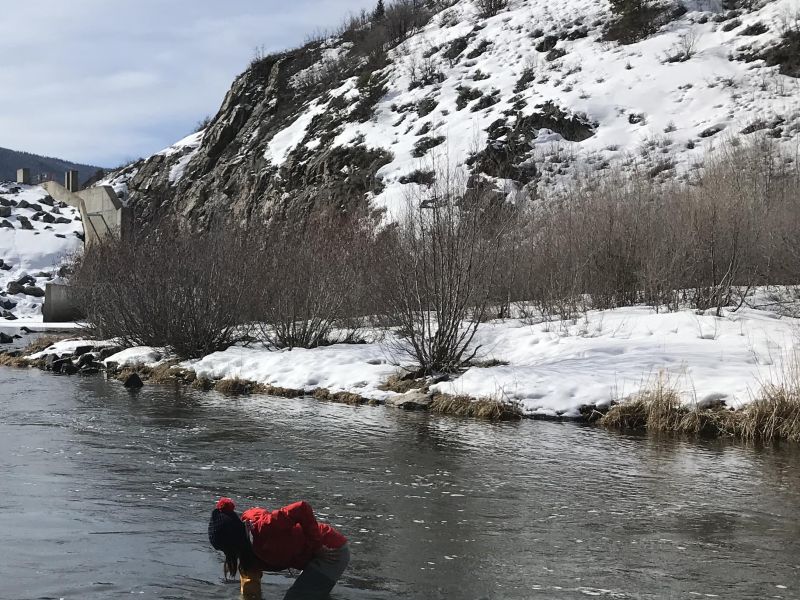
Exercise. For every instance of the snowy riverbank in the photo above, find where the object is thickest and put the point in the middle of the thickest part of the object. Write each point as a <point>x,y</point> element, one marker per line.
<point>550,369</point>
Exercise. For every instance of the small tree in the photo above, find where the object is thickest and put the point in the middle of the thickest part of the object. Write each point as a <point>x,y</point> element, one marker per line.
<point>380,11</point>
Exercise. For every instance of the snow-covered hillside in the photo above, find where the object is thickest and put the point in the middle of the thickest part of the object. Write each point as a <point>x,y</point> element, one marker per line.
<point>524,98</point>
<point>36,235</point>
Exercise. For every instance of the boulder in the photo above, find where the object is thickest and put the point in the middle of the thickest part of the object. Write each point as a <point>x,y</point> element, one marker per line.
<point>69,369</point>
<point>4,266</point>
<point>85,359</point>
<point>411,400</point>
<point>93,368</point>
<point>32,290</point>
<point>5,339</point>
<point>81,350</point>
<point>104,353</point>
<point>48,218</point>
<point>23,204</point>
<point>133,382</point>
<point>7,304</point>
<point>9,316</point>
<point>26,280</point>
<point>59,365</point>
<point>48,200</point>
<point>24,222</point>
<point>61,221</point>
<point>35,207</point>
<point>5,211</point>
<point>712,401</point>
<point>14,288</point>
<point>6,224</point>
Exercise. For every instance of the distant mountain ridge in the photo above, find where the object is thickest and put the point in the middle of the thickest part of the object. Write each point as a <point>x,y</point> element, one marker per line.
<point>11,160</point>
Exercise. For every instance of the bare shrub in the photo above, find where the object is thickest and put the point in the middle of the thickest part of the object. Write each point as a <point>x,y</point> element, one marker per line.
<point>169,288</point>
<point>625,239</point>
<point>313,285</point>
<point>441,268</point>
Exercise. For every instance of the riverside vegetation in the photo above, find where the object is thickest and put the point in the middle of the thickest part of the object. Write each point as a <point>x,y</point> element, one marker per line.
<point>460,255</point>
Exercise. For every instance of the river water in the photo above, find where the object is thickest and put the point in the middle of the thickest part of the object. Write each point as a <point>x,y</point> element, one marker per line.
<point>106,494</point>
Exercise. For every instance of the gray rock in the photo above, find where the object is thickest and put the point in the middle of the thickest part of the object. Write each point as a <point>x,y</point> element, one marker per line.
<point>5,211</point>
<point>81,350</point>
<point>62,220</point>
<point>714,400</point>
<point>48,200</point>
<point>7,304</point>
<point>26,280</point>
<point>4,266</point>
<point>6,224</point>
<point>9,316</point>
<point>5,339</point>
<point>412,400</point>
<point>24,222</point>
<point>32,290</point>
<point>23,204</point>
<point>14,288</point>
<point>69,368</point>
<point>48,218</point>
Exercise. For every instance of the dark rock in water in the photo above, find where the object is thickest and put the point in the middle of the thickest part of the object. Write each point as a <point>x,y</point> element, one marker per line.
<point>32,290</point>
<point>91,368</point>
<point>133,382</point>
<point>5,339</point>
<point>81,350</point>
<point>111,367</point>
<point>85,359</point>
<point>26,329</point>
<point>60,365</point>
<point>68,368</point>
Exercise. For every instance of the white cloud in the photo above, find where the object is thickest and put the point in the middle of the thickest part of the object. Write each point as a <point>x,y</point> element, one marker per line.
<point>101,82</point>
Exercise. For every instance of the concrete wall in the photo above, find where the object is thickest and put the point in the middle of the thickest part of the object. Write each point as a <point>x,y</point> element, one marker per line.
<point>101,210</point>
<point>59,304</point>
<point>24,176</point>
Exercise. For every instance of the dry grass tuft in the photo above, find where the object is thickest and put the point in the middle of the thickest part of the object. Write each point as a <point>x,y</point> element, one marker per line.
<point>774,415</point>
<point>42,343</point>
<point>11,360</point>
<point>480,408</point>
<point>235,386</point>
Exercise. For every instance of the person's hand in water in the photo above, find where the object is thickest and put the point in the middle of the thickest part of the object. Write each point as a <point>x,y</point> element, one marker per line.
<point>326,554</point>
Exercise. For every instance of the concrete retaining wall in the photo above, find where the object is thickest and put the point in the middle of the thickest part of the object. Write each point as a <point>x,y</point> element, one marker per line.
<point>60,305</point>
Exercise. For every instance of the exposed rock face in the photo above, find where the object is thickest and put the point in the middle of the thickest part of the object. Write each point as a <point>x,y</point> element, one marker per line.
<point>230,176</point>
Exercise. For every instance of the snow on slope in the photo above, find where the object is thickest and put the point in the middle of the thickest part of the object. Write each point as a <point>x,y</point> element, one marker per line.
<point>35,237</point>
<point>669,112</point>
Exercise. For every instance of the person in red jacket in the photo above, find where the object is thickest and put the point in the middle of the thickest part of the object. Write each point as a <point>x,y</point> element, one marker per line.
<point>287,538</point>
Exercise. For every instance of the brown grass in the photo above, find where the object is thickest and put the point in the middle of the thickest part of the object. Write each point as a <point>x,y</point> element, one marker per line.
<point>480,408</point>
<point>10,360</point>
<point>167,372</point>
<point>235,386</point>
<point>42,343</point>
<point>773,415</point>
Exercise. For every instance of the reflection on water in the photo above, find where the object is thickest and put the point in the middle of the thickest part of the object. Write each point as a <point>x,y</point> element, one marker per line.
<point>105,492</point>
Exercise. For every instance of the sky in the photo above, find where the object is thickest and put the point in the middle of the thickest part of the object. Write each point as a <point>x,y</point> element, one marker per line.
<point>107,81</point>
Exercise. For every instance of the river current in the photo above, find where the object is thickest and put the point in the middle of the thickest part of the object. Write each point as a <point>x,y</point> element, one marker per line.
<point>106,493</point>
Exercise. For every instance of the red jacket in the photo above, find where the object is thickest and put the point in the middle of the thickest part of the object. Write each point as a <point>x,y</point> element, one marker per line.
<point>289,537</point>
